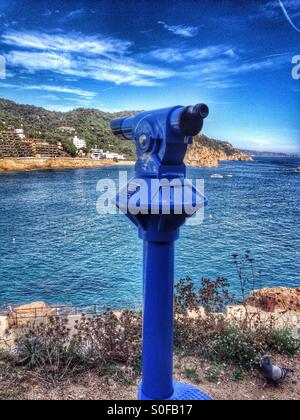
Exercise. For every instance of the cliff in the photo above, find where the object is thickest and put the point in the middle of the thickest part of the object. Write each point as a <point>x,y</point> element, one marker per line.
<point>281,298</point>
<point>208,152</point>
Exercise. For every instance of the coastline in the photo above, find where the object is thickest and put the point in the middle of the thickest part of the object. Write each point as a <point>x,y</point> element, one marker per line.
<point>36,164</point>
<point>10,165</point>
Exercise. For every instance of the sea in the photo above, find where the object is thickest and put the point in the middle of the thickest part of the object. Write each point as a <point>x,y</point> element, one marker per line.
<point>56,248</point>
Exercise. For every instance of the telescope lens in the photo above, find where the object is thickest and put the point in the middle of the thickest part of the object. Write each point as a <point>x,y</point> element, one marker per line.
<point>201,110</point>
<point>191,119</point>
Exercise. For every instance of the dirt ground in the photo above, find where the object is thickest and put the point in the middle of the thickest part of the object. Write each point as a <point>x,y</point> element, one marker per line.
<point>217,381</point>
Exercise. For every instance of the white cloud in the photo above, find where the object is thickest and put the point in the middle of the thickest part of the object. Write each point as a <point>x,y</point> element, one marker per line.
<point>8,86</point>
<point>224,72</point>
<point>62,89</point>
<point>219,70</point>
<point>118,71</point>
<point>103,59</point>
<point>33,61</point>
<point>168,55</point>
<point>220,84</point>
<point>182,30</point>
<point>73,43</point>
<point>276,9</point>
<point>172,55</point>
<point>87,95</point>
<point>288,17</point>
<point>74,14</point>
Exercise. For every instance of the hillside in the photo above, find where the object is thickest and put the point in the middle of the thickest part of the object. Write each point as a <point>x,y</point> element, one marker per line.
<point>90,124</point>
<point>93,126</point>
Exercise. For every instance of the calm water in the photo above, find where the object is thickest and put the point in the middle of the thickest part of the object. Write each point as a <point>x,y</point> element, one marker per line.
<point>55,247</point>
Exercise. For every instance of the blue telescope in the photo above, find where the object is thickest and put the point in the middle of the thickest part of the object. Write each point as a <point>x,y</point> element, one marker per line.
<point>158,200</point>
<point>162,137</point>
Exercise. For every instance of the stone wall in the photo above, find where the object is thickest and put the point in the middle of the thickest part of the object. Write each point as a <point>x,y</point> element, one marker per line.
<point>3,325</point>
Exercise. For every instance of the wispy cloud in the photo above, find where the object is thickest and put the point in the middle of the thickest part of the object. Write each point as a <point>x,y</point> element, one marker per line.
<point>98,58</point>
<point>225,72</point>
<point>181,30</point>
<point>62,89</point>
<point>118,71</point>
<point>87,95</point>
<point>73,43</point>
<point>277,9</point>
<point>172,55</point>
<point>288,18</point>
<point>74,14</point>
<point>104,59</point>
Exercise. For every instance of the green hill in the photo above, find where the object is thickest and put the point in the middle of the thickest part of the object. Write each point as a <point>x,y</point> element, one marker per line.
<point>90,124</point>
<point>93,126</point>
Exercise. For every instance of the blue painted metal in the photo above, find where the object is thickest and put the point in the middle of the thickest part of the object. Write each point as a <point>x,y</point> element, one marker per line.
<point>161,138</point>
<point>182,392</point>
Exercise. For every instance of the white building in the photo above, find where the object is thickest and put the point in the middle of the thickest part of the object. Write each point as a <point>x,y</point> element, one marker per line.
<point>97,154</point>
<point>79,143</point>
<point>111,156</point>
<point>20,133</point>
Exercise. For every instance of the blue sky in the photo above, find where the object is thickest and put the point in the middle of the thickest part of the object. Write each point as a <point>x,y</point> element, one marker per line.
<point>114,55</point>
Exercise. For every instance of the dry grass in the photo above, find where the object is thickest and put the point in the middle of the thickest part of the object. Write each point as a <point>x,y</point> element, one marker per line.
<point>217,381</point>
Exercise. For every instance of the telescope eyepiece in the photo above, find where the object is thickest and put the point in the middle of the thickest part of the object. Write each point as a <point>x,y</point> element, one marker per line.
<point>191,119</point>
<point>200,110</point>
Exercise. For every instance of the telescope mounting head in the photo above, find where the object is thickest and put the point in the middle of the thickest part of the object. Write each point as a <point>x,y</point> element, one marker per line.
<point>162,137</point>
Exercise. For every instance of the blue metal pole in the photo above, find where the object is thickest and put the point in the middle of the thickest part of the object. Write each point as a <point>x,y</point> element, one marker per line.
<point>157,383</point>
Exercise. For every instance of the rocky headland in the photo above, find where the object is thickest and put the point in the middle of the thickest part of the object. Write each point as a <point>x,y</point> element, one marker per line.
<point>209,153</point>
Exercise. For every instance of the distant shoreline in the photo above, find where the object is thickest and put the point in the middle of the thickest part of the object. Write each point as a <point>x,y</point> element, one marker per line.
<point>37,164</point>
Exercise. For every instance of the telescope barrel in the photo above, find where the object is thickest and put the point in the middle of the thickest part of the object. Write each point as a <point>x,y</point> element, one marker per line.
<point>183,121</point>
<point>188,121</point>
<point>123,127</point>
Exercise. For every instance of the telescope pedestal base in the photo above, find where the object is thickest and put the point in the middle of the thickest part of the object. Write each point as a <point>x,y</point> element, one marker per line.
<point>182,392</point>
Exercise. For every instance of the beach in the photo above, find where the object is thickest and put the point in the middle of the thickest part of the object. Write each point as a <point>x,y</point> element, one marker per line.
<point>31,164</point>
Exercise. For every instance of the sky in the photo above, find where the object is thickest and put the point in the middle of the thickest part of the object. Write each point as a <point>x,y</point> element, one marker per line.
<point>116,55</point>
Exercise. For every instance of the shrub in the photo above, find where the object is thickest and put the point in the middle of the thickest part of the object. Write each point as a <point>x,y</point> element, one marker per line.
<point>47,347</point>
<point>237,375</point>
<point>282,341</point>
<point>214,373</point>
<point>193,331</point>
<point>212,295</point>
<point>193,335</point>
<point>69,148</point>
<point>192,374</point>
<point>109,339</point>
<point>242,348</point>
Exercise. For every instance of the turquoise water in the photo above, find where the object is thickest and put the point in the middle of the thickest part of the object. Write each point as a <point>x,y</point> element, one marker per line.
<point>55,247</point>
